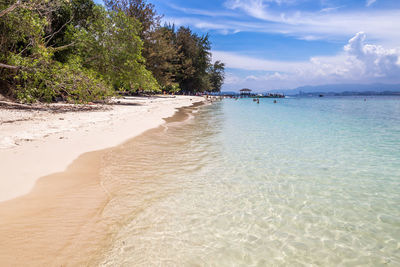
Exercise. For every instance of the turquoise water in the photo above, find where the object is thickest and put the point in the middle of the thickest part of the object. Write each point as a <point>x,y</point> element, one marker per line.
<point>305,181</point>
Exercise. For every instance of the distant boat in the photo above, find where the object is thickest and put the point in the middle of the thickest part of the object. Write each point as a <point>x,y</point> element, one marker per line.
<point>321,95</point>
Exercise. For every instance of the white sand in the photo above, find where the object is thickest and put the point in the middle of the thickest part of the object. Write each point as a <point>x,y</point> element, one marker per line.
<point>38,143</point>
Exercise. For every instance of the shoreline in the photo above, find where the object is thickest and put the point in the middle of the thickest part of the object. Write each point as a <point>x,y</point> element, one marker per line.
<point>39,143</point>
<point>66,219</point>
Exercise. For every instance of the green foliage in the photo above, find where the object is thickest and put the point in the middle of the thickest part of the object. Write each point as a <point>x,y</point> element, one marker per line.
<point>194,61</point>
<point>78,51</point>
<point>20,29</point>
<point>217,76</point>
<point>161,55</point>
<point>174,57</point>
<point>46,80</point>
<point>111,46</point>
<point>74,14</point>
<point>144,12</point>
<point>158,47</point>
<point>35,75</point>
<point>172,88</point>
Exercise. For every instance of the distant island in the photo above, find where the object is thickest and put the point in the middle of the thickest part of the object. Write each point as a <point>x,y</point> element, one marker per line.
<point>329,90</point>
<point>342,90</point>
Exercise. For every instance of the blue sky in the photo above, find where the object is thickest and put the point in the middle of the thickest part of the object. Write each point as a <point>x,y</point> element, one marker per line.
<point>282,44</point>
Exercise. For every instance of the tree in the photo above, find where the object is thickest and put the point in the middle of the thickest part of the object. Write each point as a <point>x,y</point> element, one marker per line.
<point>158,48</point>
<point>161,56</point>
<point>194,61</point>
<point>79,51</point>
<point>217,76</point>
<point>112,47</point>
<point>178,60</point>
<point>28,68</point>
<point>144,12</point>
<point>78,14</point>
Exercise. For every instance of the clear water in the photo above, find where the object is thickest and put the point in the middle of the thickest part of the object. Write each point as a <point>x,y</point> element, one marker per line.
<point>308,181</point>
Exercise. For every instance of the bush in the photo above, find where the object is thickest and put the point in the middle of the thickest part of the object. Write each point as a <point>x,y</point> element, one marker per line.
<point>47,80</point>
<point>172,88</point>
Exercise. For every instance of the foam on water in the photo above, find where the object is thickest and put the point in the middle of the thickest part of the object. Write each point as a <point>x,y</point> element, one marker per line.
<point>300,182</point>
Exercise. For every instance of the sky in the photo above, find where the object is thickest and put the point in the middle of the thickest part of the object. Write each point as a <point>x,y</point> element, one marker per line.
<point>283,44</point>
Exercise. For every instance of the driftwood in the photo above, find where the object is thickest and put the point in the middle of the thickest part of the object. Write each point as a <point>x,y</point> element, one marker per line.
<point>5,66</point>
<point>19,106</point>
<point>55,108</point>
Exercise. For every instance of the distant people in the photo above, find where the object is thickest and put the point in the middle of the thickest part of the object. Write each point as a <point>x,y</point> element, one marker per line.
<point>275,101</point>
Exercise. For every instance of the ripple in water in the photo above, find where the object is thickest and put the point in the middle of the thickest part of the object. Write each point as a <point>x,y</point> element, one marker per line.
<point>300,182</point>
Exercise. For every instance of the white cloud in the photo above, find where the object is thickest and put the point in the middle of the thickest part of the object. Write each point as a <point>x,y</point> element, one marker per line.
<point>376,60</point>
<point>256,8</point>
<point>202,12</point>
<point>330,9</point>
<point>236,61</point>
<point>358,62</point>
<point>310,38</point>
<point>381,25</point>
<point>231,79</point>
<point>202,24</point>
<point>370,2</point>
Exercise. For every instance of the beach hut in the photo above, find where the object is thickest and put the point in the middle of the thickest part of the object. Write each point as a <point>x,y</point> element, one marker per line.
<point>245,92</point>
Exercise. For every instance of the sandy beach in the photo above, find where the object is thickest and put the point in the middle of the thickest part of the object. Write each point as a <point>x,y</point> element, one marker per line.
<point>35,143</point>
<point>61,220</point>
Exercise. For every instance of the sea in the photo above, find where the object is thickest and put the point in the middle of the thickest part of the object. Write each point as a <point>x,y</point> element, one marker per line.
<point>301,182</point>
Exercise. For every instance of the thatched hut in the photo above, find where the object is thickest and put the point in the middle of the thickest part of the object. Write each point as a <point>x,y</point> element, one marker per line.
<point>245,92</point>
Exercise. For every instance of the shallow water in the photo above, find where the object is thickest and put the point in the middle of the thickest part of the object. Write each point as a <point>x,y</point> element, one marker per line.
<point>308,181</point>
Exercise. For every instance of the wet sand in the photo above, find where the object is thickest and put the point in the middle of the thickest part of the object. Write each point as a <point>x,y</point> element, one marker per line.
<point>61,222</point>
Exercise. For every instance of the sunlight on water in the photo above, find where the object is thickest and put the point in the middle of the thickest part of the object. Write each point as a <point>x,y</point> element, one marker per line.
<point>300,182</point>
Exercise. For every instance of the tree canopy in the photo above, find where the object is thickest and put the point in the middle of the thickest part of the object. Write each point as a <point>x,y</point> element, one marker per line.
<point>79,51</point>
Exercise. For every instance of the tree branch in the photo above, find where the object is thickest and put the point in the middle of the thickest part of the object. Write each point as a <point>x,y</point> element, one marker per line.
<point>63,47</point>
<point>10,8</point>
<point>26,47</point>
<point>54,33</point>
